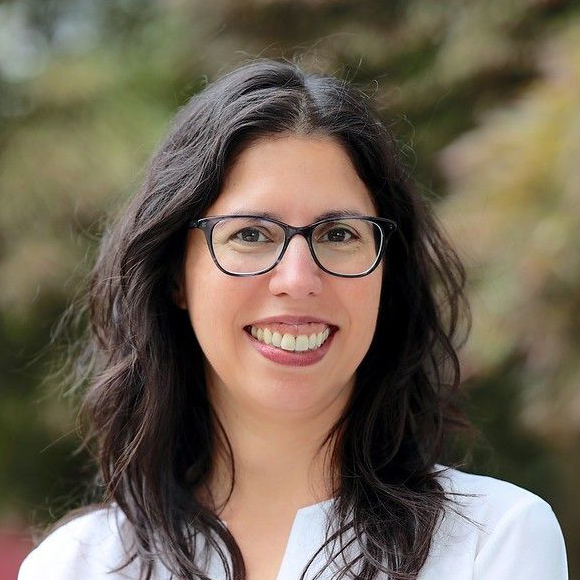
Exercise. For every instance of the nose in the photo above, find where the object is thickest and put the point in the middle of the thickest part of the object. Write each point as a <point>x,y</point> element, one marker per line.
<point>297,274</point>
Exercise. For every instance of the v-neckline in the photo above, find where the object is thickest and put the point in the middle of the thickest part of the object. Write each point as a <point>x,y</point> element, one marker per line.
<point>289,561</point>
<point>302,540</point>
<point>302,510</point>
<point>314,506</point>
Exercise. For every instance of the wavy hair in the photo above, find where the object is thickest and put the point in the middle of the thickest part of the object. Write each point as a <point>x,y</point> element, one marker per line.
<point>140,370</point>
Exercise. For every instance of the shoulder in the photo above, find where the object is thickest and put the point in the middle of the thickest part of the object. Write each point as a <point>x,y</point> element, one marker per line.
<point>513,533</point>
<point>88,546</point>
<point>485,496</point>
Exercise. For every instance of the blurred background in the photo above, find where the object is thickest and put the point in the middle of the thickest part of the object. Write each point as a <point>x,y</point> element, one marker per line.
<point>484,97</point>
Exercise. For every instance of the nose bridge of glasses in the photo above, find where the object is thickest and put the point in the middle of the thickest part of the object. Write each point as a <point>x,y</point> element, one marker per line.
<point>300,234</point>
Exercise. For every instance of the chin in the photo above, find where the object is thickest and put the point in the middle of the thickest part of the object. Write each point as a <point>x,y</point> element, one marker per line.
<point>295,396</point>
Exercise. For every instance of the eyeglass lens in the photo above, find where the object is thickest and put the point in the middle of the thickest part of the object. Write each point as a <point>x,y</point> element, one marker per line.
<point>344,246</point>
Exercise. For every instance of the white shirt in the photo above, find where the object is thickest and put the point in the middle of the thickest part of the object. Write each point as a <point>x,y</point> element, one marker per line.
<point>518,538</point>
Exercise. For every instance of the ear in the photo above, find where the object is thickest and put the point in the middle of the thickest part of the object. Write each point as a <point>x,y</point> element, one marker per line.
<point>178,294</point>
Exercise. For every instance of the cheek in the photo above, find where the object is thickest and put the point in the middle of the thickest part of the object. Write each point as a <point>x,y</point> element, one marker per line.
<point>363,300</point>
<point>363,306</point>
<point>203,296</point>
<point>212,303</point>
<point>217,303</point>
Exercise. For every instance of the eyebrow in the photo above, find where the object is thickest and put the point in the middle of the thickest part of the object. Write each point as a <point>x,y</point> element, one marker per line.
<point>336,213</point>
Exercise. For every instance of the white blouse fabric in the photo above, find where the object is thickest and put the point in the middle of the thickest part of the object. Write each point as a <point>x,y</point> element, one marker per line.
<point>516,536</point>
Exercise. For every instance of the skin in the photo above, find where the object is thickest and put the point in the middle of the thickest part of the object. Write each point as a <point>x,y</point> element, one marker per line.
<point>276,416</point>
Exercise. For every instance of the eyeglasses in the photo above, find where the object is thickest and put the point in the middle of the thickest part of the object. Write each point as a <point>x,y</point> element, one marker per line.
<point>248,245</point>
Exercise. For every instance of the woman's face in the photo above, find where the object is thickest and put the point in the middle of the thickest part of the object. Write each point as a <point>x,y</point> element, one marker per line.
<point>297,179</point>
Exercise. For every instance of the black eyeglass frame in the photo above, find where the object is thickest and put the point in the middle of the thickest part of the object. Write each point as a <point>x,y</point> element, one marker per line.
<point>207,224</point>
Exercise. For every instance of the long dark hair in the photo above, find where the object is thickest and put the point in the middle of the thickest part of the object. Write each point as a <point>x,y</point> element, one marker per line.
<point>141,368</point>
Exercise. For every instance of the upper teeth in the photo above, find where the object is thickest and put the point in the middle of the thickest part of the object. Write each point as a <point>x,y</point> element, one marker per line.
<point>287,341</point>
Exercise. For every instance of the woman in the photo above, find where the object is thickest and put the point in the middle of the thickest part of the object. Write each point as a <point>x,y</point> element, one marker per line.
<point>272,362</point>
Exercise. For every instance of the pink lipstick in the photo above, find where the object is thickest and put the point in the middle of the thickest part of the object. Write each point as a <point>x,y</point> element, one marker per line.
<point>291,358</point>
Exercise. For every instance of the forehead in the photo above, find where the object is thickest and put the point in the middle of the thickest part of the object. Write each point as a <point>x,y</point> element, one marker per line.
<point>293,177</point>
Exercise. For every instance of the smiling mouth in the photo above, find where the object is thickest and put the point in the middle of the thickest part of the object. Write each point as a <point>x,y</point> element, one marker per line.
<point>309,341</point>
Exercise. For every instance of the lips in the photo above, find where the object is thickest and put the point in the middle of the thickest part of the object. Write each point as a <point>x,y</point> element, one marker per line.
<point>291,357</point>
<point>291,319</point>
<point>292,339</point>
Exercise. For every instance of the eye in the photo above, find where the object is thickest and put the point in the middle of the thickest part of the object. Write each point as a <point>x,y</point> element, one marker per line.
<point>249,235</point>
<point>339,234</point>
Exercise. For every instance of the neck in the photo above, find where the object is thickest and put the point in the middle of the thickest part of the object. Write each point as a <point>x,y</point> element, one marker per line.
<point>280,460</point>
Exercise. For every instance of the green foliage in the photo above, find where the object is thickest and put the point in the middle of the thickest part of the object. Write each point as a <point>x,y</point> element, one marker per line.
<point>513,207</point>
